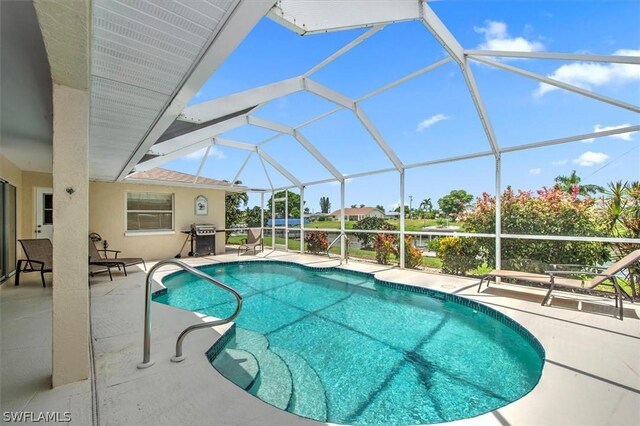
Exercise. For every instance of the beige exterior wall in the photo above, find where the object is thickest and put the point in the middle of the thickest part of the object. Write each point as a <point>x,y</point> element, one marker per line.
<point>107,217</point>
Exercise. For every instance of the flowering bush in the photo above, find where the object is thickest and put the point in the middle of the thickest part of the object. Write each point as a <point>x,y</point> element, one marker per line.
<point>370,223</point>
<point>458,255</point>
<point>384,245</point>
<point>412,254</point>
<point>548,212</point>
<point>317,241</point>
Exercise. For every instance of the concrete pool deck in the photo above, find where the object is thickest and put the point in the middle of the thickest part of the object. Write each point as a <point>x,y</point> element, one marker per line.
<point>591,374</point>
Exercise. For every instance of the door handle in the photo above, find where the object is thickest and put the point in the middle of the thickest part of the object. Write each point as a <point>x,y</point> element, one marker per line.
<point>38,231</point>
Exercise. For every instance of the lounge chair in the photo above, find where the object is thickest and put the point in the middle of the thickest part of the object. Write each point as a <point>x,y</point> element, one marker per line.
<point>39,253</point>
<point>95,258</point>
<point>253,240</point>
<point>554,278</point>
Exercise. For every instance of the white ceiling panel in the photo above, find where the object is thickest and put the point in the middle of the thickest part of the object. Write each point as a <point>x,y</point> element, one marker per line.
<point>142,52</point>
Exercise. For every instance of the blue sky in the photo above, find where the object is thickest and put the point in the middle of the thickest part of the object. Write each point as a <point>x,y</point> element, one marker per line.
<point>432,116</point>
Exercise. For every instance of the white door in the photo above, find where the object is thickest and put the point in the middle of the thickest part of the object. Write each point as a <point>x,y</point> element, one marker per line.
<point>44,213</point>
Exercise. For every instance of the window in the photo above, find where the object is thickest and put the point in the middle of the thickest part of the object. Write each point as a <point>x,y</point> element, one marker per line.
<point>149,211</point>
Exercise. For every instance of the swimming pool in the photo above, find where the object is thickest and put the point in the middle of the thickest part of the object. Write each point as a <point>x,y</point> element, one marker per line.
<point>339,346</point>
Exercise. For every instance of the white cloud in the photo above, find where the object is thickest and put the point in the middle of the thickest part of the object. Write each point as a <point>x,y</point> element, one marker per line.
<point>497,37</point>
<point>428,122</point>
<point>623,136</point>
<point>590,74</point>
<point>559,163</point>
<point>213,152</point>
<point>394,206</point>
<point>535,171</point>
<point>590,158</point>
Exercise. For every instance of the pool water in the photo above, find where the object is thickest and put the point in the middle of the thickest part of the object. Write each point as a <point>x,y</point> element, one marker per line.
<point>339,346</point>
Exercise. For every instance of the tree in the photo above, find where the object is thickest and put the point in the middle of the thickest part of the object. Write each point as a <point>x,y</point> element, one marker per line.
<point>233,202</point>
<point>370,223</point>
<point>325,205</point>
<point>361,206</point>
<point>426,205</point>
<point>294,204</point>
<point>455,202</point>
<point>380,207</point>
<point>621,216</point>
<point>253,216</point>
<point>569,183</point>
<point>353,206</point>
<point>306,210</point>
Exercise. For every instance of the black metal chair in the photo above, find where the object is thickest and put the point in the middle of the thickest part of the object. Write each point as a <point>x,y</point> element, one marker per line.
<point>39,253</point>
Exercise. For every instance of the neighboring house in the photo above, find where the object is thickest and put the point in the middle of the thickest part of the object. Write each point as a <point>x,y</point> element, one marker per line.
<point>392,215</point>
<point>355,214</point>
<point>316,216</point>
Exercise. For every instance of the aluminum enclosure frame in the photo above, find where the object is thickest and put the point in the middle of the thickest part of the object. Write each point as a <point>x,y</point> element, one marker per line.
<point>317,16</point>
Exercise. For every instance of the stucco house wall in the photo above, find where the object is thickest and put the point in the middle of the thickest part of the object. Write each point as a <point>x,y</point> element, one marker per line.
<point>107,217</point>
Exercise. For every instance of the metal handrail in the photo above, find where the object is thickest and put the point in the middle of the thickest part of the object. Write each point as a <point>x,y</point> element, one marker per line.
<point>332,243</point>
<point>146,359</point>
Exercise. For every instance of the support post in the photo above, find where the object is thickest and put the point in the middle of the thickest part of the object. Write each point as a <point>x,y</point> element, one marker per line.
<point>262,215</point>
<point>301,219</point>
<point>498,212</point>
<point>343,248</point>
<point>286,220</point>
<point>70,300</point>
<point>402,219</point>
<point>273,220</point>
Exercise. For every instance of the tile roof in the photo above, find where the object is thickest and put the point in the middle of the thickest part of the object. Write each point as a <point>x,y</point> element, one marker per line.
<point>164,175</point>
<point>355,211</point>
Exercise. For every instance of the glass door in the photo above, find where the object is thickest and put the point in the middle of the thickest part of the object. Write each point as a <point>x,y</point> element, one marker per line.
<point>7,229</point>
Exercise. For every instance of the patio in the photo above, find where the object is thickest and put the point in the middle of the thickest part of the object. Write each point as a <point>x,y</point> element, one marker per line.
<point>590,375</point>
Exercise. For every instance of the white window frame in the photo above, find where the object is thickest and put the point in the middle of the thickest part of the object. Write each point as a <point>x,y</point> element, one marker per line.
<point>140,232</point>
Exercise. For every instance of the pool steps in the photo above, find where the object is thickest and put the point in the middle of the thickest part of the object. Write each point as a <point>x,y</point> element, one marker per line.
<point>277,377</point>
<point>308,398</point>
<point>273,383</point>
<point>239,366</point>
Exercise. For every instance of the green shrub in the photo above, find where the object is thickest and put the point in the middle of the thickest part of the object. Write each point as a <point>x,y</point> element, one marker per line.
<point>384,246</point>
<point>323,219</point>
<point>459,255</point>
<point>433,244</point>
<point>371,223</point>
<point>317,241</point>
<point>412,254</point>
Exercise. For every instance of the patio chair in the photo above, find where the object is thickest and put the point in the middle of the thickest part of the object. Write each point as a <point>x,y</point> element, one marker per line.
<point>39,253</point>
<point>253,240</point>
<point>95,258</point>
<point>99,269</point>
<point>554,278</point>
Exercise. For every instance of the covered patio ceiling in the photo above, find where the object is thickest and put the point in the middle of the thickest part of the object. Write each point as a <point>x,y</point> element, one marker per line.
<point>201,126</point>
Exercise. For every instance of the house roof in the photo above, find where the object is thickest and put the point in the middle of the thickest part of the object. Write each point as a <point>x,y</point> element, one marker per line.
<point>355,211</point>
<point>164,175</point>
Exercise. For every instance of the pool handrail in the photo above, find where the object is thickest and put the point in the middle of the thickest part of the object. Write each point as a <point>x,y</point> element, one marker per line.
<point>339,237</point>
<point>146,358</point>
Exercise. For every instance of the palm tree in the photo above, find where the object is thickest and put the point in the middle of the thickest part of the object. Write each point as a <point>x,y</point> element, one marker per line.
<point>567,183</point>
<point>426,205</point>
